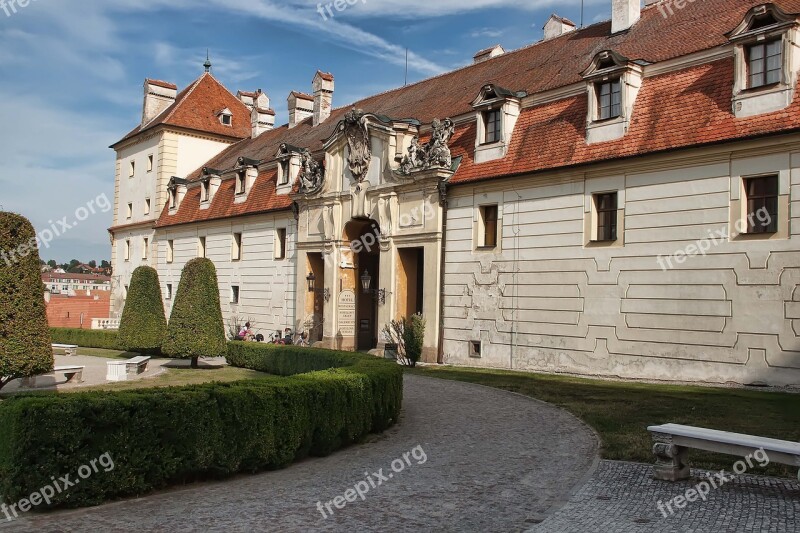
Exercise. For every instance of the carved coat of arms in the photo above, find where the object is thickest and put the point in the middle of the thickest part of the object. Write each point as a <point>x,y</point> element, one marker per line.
<point>355,129</point>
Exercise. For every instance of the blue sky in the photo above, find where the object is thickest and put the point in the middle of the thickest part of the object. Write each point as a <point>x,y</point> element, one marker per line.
<point>71,75</point>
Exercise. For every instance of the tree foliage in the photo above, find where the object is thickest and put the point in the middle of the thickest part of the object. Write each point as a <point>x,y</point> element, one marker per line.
<point>24,335</point>
<point>409,336</point>
<point>143,324</point>
<point>195,327</point>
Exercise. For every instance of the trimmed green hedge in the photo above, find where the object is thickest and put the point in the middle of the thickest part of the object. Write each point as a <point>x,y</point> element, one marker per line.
<point>86,338</point>
<point>162,437</point>
<point>143,325</point>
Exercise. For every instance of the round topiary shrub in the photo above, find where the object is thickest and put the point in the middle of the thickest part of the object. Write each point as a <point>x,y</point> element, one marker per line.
<point>195,327</point>
<point>143,324</point>
<point>24,335</point>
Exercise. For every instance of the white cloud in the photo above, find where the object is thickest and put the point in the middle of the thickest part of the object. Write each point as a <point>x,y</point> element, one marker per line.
<point>485,32</point>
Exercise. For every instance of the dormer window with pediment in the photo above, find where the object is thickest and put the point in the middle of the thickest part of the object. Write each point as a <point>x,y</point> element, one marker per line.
<point>176,190</point>
<point>612,82</point>
<point>766,61</point>
<point>288,157</point>
<point>497,112</point>
<point>225,117</point>
<point>209,185</point>
<point>246,175</point>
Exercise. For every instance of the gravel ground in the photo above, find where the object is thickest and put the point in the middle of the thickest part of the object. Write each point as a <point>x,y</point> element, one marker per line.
<point>478,459</point>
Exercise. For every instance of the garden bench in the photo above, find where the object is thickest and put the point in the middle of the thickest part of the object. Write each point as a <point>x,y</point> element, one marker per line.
<point>70,349</point>
<point>119,370</point>
<point>73,374</point>
<point>672,443</point>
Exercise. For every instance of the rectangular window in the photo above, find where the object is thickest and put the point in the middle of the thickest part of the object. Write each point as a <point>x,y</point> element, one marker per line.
<point>494,125</point>
<point>170,251</point>
<point>168,293</point>
<point>764,63</point>
<point>241,183</point>
<point>150,163</point>
<point>147,206</point>
<point>132,169</point>
<point>284,171</point>
<point>280,243</point>
<point>234,294</point>
<point>236,247</point>
<point>201,247</point>
<point>127,250</point>
<point>489,226</point>
<point>173,198</point>
<point>125,293</point>
<point>609,99</point>
<point>130,211</point>
<point>762,204</point>
<point>145,247</point>
<point>206,194</point>
<point>227,119</point>
<point>475,349</point>
<point>605,205</point>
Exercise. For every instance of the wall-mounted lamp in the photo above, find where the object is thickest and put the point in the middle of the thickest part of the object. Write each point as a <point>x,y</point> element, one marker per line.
<point>312,287</point>
<point>366,287</point>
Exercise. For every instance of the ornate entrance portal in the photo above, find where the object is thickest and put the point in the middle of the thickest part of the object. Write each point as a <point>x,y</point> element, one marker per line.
<point>370,228</point>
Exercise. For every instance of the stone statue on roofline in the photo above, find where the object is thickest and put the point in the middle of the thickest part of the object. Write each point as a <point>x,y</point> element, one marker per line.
<point>434,154</point>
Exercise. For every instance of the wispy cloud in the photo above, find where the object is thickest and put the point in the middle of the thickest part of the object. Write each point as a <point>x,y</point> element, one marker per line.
<point>485,32</point>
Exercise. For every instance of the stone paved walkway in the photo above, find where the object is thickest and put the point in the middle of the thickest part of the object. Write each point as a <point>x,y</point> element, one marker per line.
<point>623,497</point>
<point>496,461</point>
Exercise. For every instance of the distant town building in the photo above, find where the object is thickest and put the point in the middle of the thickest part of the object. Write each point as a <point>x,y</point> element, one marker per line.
<point>71,284</point>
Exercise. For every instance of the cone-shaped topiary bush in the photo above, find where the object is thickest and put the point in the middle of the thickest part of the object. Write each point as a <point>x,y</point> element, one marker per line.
<point>143,324</point>
<point>24,335</point>
<point>195,327</point>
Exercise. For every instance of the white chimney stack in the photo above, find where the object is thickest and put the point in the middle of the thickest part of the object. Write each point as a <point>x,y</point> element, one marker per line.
<point>557,26</point>
<point>158,95</point>
<point>624,14</point>
<point>323,96</point>
<point>301,106</point>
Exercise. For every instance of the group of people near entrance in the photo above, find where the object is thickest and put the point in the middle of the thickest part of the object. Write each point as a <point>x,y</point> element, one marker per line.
<point>246,334</point>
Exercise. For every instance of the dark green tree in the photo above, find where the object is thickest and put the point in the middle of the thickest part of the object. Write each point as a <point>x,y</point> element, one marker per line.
<point>195,327</point>
<point>25,349</point>
<point>143,324</point>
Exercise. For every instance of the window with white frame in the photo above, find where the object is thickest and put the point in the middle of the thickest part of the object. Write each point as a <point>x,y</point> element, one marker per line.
<point>761,196</point>
<point>488,229</point>
<point>609,99</point>
<point>147,206</point>
<point>234,294</point>
<point>605,206</point>
<point>493,122</point>
<point>205,191</point>
<point>280,243</point>
<point>201,247</point>
<point>150,163</point>
<point>145,247</point>
<point>236,247</point>
<point>241,182</point>
<point>764,63</point>
<point>132,169</point>
<point>127,250</point>
<point>170,251</point>
<point>173,198</point>
<point>284,167</point>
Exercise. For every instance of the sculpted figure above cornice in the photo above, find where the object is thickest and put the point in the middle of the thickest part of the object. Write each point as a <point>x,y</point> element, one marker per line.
<point>433,154</point>
<point>312,174</point>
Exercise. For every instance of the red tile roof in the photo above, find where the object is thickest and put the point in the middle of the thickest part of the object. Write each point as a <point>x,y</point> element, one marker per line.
<point>302,96</point>
<point>679,109</point>
<point>327,76</point>
<point>78,311</point>
<point>194,109</point>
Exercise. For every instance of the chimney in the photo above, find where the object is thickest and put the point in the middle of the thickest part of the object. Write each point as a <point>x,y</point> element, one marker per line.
<point>158,95</point>
<point>323,96</point>
<point>488,53</point>
<point>624,14</point>
<point>557,26</point>
<point>301,106</point>
<point>261,119</point>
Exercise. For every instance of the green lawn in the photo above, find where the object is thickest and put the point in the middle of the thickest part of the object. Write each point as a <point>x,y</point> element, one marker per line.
<point>620,412</point>
<point>174,377</point>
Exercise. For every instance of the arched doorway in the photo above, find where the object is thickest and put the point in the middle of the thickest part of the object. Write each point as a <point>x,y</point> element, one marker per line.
<point>363,237</point>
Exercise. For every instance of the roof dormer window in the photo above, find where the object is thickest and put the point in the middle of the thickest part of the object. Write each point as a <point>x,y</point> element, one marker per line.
<point>205,194</point>
<point>764,73</point>
<point>225,117</point>
<point>497,110</point>
<point>613,83</point>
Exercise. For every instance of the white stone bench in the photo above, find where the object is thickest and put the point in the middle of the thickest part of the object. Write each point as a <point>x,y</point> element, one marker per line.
<point>73,374</point>
<point>672,443</point>
<point>70,349</point>
<point>119,370</point>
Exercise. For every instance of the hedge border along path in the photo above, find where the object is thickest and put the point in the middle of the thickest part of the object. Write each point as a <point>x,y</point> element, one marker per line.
<point>324,400</point>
